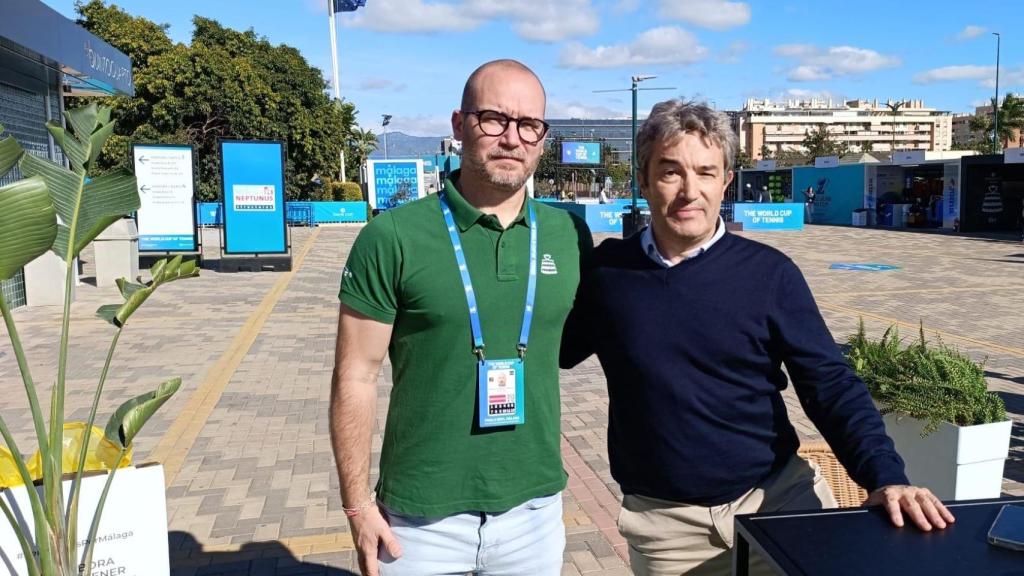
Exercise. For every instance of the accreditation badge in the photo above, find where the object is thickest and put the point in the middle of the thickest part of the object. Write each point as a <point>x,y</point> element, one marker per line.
<point>501,393</point>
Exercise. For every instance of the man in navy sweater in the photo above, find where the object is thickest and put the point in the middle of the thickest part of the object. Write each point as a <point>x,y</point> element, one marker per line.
<point>692,326</point>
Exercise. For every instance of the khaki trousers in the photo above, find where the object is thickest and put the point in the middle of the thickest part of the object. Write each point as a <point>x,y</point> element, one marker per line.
<point>669,538</point>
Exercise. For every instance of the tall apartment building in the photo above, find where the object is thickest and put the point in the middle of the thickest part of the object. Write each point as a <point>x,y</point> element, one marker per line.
<point>784,125</point>
<point>962,133</point>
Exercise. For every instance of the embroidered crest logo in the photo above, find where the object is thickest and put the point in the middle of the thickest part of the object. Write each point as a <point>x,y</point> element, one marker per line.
<point>547,265</point>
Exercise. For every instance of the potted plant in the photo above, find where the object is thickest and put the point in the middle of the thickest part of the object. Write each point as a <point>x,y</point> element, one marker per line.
<point>61,209</point>
<point>951,431</point>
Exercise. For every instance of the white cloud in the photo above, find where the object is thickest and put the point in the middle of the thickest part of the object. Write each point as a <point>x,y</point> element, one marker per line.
<point>541,20</point>
<point>822,64</point>
<point>805,94</point>
<point>576,109</point>
<point>381,84</point>
<point>410,16</point>
<point>970,32</point>
<point>954,73</point>
<point>808,74</point>
<point>713,14</point>
<point>734,51</point>
<point>665,45</point>
<point>1008,78</point>
<point>795,50</point>
<point>626,6</point>
<point>420,125</point>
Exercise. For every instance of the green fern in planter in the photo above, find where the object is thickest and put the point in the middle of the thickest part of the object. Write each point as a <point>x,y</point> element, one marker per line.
<point>934,383</point>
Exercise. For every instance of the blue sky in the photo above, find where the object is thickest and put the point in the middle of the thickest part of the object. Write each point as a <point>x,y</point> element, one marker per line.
<point>409,58</point>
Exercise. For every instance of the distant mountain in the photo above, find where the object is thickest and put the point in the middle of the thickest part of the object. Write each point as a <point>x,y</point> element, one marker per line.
<point>404,145</point>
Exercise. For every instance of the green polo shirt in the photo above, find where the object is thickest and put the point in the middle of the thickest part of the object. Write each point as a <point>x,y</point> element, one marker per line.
<point>435,459</point>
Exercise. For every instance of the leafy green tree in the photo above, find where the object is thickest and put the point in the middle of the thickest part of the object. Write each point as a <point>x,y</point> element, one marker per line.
<point>743,160</point>
<point>548,159</point>
<point>819,142</point>
<point>791,158</point>
<point>224,85</point>
<point>1011,124</point>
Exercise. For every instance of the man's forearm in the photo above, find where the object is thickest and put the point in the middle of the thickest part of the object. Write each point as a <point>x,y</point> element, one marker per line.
<point>352,415</point>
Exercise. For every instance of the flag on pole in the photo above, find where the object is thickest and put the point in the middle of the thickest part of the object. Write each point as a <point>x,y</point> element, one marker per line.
<point>348,5</point>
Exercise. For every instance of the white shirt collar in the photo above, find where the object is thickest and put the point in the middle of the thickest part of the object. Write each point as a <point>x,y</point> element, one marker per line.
<point>651,249</point>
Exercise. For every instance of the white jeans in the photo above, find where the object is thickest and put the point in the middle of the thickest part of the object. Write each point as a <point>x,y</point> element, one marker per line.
<point>528,540</point>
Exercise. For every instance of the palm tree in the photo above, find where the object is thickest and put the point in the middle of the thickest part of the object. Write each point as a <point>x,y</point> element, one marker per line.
<point>1011,121</point>
<point>363,142</point>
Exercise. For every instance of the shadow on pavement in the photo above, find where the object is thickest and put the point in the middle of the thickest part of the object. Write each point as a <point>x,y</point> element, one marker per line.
<point>256,558</point>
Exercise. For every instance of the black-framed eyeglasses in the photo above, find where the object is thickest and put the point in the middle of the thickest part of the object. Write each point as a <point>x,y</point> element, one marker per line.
<point>494,123</point>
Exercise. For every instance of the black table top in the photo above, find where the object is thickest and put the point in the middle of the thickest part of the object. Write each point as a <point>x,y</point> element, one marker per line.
<point>863,541</point>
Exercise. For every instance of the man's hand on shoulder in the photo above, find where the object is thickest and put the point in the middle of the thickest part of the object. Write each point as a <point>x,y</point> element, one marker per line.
<point>370,531</point>
<point>924,508</point>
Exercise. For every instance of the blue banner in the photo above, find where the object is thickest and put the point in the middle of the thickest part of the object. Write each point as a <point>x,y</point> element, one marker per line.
<point>780,216</point>
<point>210,214</point>
<point>863,267</point>
<point>254,208</point>
<point>600,218</point>
<point>394,182</point>
<point>837,191</point>
<point>325,212</point>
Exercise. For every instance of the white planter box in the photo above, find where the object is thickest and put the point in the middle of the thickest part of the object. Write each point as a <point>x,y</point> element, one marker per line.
<point>132,537</point>
<point>954,462</point>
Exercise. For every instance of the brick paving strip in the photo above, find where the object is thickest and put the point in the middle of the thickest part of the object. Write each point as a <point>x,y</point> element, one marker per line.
<point>178,440</point>
<point>250,475</point>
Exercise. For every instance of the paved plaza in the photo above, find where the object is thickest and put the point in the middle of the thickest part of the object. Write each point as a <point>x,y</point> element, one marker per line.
<point>251,485</point>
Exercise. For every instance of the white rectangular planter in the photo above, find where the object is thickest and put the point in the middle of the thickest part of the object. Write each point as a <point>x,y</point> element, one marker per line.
<point>954,462</point>
<point>132,537</point>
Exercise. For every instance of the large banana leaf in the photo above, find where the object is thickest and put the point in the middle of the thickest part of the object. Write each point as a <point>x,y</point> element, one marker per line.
<point>131,416</point>
<point>72,148</point>
<point>10,152</point>
<point>28,224</point>
<point>96,205</point>
<point>135,294</point>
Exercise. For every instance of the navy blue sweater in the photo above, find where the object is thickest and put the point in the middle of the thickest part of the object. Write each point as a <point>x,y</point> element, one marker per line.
<point>693,355</point>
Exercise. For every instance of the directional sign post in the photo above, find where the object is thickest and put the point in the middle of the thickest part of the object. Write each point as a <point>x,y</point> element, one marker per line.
<point>166,184</point>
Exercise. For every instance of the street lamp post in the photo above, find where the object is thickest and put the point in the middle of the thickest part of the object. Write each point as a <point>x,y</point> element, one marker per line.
<point>995,103</point>
<point>632,146</point>
<point>384,125</point>
<point>895,107</point>
<point>634,211</point>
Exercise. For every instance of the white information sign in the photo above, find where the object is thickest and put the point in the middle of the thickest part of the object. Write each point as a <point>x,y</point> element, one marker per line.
<point>132,537</point>
<point>826,161</point>
<point>1013,156</point>
<point>166,217</point>
<point>765,165</point>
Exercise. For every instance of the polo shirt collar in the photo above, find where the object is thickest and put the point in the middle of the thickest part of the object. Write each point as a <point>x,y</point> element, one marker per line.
<point>464,213</point>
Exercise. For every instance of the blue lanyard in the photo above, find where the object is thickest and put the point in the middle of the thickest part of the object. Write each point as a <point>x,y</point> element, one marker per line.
<point>531,286</point>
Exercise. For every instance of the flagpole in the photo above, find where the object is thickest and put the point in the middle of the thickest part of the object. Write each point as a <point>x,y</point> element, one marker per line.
<point>337,79</point>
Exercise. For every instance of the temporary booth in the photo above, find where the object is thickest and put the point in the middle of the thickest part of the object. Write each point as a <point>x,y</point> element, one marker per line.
<point>779,182</point>
<point>993,192</point>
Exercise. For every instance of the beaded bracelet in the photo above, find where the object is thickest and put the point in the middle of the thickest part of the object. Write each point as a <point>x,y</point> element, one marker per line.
<point>354,511</point>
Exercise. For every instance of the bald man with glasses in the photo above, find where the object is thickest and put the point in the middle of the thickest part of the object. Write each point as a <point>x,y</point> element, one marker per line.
<point>467,292</point>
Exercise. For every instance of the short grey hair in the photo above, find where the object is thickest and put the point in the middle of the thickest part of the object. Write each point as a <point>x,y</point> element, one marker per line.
<point>672,118</point>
